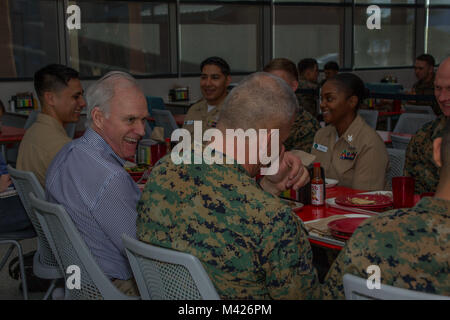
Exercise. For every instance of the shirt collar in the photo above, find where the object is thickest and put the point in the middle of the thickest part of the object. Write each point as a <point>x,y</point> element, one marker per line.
<point>93,138</point>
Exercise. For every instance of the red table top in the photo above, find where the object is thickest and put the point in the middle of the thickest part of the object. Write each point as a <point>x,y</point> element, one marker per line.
<point>11,134</point>
<point>390,113</point>
<point>310,212</point>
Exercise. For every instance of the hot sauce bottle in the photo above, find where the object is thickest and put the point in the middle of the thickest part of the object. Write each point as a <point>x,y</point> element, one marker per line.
<point>317,186</point>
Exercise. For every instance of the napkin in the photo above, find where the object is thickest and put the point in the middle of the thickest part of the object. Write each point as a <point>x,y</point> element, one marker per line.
<point>306,158</point>
<point>158,134</point>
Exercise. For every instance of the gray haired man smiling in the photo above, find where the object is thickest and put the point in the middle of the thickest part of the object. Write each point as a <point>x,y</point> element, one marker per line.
<point>88,179</point>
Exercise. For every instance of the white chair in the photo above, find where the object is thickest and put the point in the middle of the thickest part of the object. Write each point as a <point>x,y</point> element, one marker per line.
<point>418,109</point>
<point>396,164</point>
<point>70,250</point>
<point>400,142</point>
<point>164,274</point>
<point>411,122</point>
<point>45,265</point>
<point>355,288</point>
<point>371,117</point>
<point>165,119</point>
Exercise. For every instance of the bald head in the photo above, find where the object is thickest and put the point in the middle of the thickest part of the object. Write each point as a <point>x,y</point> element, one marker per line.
<point>260,101</point>
<point>442,86</point>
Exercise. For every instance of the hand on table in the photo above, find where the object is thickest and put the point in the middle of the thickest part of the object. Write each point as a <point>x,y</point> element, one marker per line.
<point>291,174</point>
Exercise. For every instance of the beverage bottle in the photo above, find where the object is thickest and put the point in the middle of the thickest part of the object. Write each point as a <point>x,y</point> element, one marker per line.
<point>317,186</point>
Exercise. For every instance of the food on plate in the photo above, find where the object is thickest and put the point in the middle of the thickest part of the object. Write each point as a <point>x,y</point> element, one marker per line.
<point>140,168</point>
<point>362,201</point>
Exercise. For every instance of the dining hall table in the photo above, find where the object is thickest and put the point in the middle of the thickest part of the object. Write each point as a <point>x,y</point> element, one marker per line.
<point>9,135</point>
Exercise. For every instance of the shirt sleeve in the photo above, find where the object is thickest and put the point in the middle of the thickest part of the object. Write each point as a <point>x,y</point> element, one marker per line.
<point>116,211</point>
<point>286,258</point>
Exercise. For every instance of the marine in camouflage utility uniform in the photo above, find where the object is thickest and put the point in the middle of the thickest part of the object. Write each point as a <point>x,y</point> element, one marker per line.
<point>419,162</point>
<point>411,247</point>
<point>302,132</point>
<point>250,243</point>
<point>308,101</point>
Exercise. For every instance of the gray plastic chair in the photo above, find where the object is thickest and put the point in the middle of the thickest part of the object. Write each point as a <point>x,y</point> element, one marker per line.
<point>396,164</point>
<point>45,265</point>
<point>31,119</point>
<point>70,129</point>
<point>164,274</point>
<point>70,250</point>
<point>165,119</point>
<point>411,122</point>
<point>370,116</point>
<point>400,142</point>
<point>418,109</point>
<point>355,288</point>
<point>13,238</point>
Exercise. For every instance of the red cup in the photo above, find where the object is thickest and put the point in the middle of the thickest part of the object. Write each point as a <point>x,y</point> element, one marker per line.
<point>158,151</point>
<point>403,192</point>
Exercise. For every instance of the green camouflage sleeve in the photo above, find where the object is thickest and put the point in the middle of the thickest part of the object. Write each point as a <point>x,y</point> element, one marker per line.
<point>287,259</point>
<point>302,132</point>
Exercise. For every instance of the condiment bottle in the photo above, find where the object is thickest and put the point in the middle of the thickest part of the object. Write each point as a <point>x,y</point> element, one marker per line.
<point>317,186</point>
<point>168,145</point>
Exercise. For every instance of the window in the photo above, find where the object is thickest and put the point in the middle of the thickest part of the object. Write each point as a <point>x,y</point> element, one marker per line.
<point>121,35</point>
<point>309,32</point>
<point>29,37</point>
<point>232,32</point>
<point>390,46</point>
<point>438,33</point>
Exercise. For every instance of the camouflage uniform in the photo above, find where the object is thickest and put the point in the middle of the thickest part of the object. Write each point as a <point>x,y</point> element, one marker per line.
<point>308,101</point>
<point>411,247</point>
<point>419,162</point>
<point>302,132</point>
<point>251,245</point>
<point>422,87</point>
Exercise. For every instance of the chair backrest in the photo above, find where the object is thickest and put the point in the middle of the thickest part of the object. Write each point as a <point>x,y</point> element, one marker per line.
<point>396,164</point>
<point>165,119</point>
<point>400,142</point>
<point>164,274</point>
<point>418,109</point>
<point>355,288</point>
<point>31,119</point>
<point>26,182</point>
<point>155,103</point>
<point>70,129</point>
<point>411,122</point>
<point>70,250</point>
<point>371,117</point>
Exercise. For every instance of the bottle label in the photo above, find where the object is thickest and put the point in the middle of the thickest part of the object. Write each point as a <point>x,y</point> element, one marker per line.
<point>317,198</point>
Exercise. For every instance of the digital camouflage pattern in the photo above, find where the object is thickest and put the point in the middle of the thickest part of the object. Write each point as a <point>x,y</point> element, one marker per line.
<point>302,132</point>
<point>419,162</point>
<point>411,247</point>
<point>250,243</point>
<point>308,101</point>
<point>423,87</point>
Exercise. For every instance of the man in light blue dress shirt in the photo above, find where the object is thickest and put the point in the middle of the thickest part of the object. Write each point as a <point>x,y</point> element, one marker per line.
<point>87,176</point>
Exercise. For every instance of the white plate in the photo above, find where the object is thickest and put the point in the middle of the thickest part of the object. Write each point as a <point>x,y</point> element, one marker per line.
<point>293,204</point>
<point>330,183</point>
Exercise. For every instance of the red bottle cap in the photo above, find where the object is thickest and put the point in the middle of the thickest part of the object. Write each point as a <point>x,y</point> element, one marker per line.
<point>316,164</point>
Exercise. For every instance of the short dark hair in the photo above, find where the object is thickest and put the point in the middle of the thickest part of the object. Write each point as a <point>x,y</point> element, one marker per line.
<point>352,85</point>
<point>331,65</point>
<point>217,61</point>
<point>53,77</point>
<point>282,64</point>
<point>306,64</point>
<point>428,58</point>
